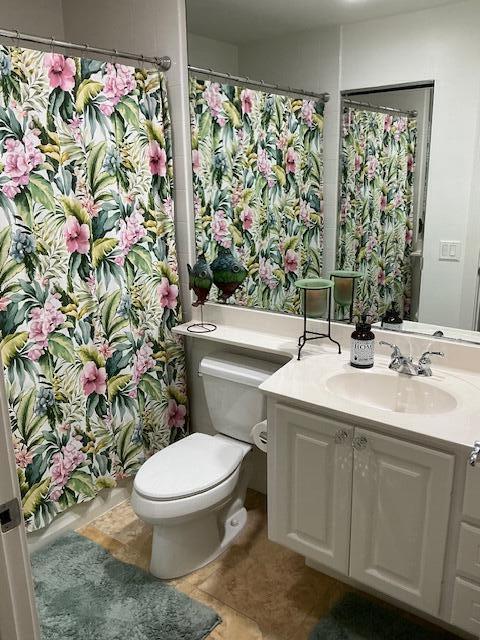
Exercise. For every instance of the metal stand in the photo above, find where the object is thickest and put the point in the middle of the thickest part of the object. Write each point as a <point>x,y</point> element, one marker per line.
<point>314,335</point>
<point>201,327</point>
<point>350,320</point>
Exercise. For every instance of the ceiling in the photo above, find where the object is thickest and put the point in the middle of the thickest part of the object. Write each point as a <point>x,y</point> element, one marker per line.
<point>240,21</point>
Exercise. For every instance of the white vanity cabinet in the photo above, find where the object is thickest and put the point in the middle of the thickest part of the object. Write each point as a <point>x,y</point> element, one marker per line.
<point>369,506</point>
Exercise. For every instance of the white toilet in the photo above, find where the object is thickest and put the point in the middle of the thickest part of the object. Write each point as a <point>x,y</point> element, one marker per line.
<point>193,491</point>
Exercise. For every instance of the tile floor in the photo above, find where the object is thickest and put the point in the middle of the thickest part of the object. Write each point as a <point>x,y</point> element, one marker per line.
<point>261,590</point>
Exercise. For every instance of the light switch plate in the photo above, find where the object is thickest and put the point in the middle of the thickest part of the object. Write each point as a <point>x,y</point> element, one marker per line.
<point>450,250</point>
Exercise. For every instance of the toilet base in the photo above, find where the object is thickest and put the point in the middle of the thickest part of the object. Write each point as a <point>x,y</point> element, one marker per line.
<point>180,549</point>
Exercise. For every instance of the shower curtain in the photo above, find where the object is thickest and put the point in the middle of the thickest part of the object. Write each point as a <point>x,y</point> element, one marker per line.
<point>88,274</point>
<point>258,187</point>
<point>376,216</point>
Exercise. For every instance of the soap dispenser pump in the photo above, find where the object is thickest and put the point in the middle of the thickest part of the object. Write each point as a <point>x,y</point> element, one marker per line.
<point>362,351</point>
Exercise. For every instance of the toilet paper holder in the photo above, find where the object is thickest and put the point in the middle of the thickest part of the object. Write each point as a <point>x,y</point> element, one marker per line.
<point>260,436</point>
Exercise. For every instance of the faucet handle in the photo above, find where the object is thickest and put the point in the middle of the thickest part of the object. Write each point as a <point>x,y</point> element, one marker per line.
<point>396,353</point>
<point>425,357</point>
<point>475,453</point>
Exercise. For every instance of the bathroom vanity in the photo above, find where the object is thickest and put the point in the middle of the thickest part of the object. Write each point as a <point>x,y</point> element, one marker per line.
<point>368,471</point>
<point>368,478</point>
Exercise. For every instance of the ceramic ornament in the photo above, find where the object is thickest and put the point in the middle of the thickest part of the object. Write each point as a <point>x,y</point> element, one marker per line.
<point>200,279</point>
<point>228,273</point>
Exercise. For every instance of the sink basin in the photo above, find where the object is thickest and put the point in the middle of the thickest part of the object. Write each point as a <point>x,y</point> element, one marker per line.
<point>393,393</point>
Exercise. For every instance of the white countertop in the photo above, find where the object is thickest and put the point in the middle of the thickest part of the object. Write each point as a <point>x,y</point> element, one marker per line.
<point>306,382</point>
<point>248,338</point>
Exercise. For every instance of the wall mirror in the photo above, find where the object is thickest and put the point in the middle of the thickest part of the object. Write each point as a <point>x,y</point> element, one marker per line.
<point>342,137</point>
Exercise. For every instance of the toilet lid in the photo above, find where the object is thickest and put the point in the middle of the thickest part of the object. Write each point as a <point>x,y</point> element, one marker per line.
<point>189,466</point>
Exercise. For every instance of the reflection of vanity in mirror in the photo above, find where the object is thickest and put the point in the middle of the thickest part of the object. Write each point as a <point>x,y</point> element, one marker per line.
<point>369,165</point>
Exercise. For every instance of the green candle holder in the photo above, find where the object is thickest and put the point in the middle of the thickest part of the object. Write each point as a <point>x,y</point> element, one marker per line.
<point>344,289</point>
<point>317,297</point>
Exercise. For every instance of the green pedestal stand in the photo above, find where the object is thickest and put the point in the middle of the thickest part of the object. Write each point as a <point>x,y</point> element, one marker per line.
<point>317,285</point>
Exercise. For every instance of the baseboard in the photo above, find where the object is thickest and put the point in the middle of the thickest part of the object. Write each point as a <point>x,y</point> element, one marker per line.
<point>80,515</point>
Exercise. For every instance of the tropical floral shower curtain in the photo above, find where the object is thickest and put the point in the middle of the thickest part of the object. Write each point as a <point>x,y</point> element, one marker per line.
<point>376,215</point>
<point>258,187</point>
<point>88,274</point>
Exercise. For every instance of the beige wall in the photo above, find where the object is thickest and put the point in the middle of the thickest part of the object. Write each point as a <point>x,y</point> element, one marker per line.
<point>39,17</point>
<point>212,54</point>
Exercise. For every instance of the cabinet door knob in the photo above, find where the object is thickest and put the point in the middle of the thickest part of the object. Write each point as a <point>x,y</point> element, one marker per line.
<point>359,442</point>
<point>341,436</point>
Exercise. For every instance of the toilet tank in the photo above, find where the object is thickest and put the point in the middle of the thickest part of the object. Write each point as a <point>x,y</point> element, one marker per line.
<point>231,382</point>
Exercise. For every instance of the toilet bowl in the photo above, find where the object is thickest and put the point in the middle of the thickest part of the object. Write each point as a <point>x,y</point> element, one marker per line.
<point>193,491</point>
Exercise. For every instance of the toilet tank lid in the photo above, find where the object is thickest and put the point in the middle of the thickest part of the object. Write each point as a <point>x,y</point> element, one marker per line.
<point>237,368</point>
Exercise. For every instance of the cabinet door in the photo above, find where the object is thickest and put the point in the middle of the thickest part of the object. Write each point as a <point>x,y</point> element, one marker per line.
<point>310,479</point>
<point>400,512</point>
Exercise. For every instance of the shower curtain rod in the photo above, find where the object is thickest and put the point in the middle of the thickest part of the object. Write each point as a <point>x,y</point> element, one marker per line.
<point>163,62</point>
<point>377,107</point>
<point>259,83</point>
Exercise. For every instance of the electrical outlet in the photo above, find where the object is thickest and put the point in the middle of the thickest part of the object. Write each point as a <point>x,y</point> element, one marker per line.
<point>450,250</point>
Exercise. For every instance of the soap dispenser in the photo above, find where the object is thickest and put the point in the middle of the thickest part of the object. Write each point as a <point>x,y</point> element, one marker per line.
<point>362,351</point>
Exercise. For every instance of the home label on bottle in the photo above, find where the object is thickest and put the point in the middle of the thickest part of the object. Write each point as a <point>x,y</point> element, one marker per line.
<point>362,353</point>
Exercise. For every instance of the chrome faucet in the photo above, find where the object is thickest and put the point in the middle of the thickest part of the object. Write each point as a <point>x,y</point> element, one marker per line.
<point>404,364</point>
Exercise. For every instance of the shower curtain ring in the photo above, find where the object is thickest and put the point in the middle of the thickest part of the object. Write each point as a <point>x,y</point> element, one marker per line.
<point>51,44</point>
<point>17,35</point>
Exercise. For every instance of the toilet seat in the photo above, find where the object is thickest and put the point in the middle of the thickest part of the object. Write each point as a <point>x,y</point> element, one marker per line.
<point>189,467</point>
<point>163,511</point>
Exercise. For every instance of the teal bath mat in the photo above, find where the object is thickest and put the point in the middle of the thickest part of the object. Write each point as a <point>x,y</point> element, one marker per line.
<point>83,593</point>
<point>356,618</point>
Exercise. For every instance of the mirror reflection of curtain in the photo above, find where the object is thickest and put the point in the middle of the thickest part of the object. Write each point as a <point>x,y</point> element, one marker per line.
<point>376,209</point>
<point>88,275</point>
<point>258,187</point>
